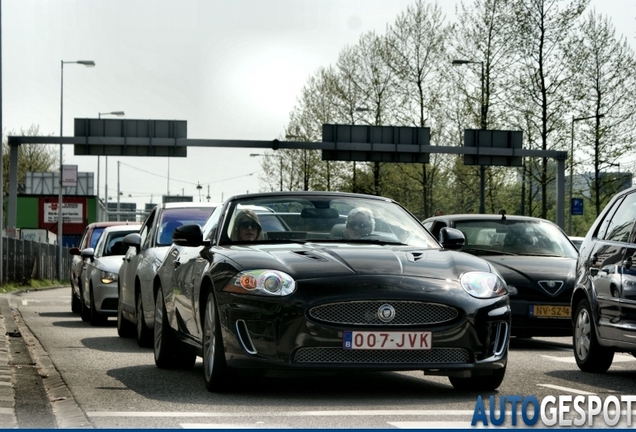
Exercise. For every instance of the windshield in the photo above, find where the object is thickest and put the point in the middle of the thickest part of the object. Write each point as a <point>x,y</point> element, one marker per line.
<point>325,218</point>
<point>518,237</point>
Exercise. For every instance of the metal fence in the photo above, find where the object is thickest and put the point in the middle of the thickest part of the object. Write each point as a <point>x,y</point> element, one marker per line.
<point>24,260</point>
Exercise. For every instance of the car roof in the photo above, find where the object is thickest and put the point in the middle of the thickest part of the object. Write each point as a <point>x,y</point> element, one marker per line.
<point>109,223</point>
<point>122,227</point>
<point>187,204</point>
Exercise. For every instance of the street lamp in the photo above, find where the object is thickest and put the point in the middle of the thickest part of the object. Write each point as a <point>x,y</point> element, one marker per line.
<point>60,222</point>
<point>482,168</point>
<point>280,159</point>
<point>99,115</point>
<point>598,116</point>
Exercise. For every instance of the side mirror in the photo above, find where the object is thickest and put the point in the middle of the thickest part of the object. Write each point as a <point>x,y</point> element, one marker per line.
<point>88,253</point>
<point>188,235</point>
<point>451,238</point>
<point>134,240</point>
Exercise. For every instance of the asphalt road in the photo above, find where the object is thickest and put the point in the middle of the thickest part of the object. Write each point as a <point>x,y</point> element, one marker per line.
<point>91,378</point>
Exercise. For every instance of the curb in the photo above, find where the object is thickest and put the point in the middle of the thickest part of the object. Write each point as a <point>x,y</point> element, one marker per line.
<point>66,411</point>
<point>8,419</point>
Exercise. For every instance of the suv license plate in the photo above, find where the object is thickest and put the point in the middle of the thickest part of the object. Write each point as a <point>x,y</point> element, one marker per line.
<point>548,311</point>
<point>391,340</point>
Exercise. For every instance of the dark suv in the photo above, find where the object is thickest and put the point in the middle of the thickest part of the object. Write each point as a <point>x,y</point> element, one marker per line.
<point>604,298</point>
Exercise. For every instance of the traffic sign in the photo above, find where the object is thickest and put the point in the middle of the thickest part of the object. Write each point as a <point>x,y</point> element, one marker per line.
<point>576,207</point>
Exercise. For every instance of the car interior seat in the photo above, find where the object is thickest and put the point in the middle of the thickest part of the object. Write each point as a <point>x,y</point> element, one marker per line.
<point>338,231</point>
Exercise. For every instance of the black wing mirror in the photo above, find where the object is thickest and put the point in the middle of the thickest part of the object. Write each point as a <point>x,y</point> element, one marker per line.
<point>451,238</point>
<point>188,235</point>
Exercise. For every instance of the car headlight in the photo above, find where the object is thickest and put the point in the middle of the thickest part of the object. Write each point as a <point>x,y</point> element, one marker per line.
<point>108,277</point>
<point>262,282</point>
<point>483,284</point>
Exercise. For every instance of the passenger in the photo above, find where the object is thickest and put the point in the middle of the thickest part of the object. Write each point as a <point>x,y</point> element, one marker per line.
<point>360,223</point>
<point>439,212</point>
<point>247,227</point>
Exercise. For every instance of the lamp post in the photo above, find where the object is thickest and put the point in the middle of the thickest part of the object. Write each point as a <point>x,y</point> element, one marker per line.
<point>60,222</point>
<point>280,160</point>
<point>114,113</point>
<point>483,125</point>
<point>571,188</point>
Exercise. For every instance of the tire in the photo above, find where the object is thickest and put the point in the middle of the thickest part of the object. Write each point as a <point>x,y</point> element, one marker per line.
<point>76,306</point>
<point>96,318</point>
<point>216,373</point>
<point>85,311</point>
<point>481,382</point>
<point>125,328</point>
<point>144,336</point>
<point>168,352</point>
<point>589,354</point>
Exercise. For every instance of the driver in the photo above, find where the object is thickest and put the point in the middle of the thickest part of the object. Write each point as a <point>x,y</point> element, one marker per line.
<point>360,223</point>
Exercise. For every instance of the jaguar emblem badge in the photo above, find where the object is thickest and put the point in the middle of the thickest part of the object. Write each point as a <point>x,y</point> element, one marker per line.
<point>386,313</point>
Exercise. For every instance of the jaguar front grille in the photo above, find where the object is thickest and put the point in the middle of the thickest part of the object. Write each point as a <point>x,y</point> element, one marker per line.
<point>367,313</point>
<point>378,357</point>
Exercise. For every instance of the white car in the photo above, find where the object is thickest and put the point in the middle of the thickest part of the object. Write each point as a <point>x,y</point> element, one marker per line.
<point>100,274</point>
<point>135,310</point>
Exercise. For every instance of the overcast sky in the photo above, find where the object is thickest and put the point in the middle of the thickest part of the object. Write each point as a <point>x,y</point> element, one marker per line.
<point>232,69</point>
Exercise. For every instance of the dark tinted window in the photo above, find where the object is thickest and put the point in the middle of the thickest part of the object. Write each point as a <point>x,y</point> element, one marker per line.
<point>97,232</point>
<point>622,222</point>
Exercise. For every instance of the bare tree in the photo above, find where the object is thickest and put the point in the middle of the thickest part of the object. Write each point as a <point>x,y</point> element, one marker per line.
<point>543,32</point>
<point>605,89</point>
<point>416,52</point>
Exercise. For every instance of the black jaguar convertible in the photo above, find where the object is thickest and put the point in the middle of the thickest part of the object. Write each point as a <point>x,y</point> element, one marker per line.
<point>328,281</point>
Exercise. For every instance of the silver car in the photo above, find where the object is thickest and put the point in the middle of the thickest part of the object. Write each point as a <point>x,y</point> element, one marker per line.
<point>135,309</point>
<point>100,274</point>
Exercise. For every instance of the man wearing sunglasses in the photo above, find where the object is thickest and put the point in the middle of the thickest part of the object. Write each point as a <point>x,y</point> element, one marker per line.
<point>360,223</point>
<point>247,226</point>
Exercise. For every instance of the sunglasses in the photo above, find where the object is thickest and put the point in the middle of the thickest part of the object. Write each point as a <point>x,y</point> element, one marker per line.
<point>249,224</point>
<point>358,225</point>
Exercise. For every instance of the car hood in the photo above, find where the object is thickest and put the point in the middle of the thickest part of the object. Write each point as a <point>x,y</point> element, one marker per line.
<point>110,263</point>
<point>328,260</point>
<point>534,271</point>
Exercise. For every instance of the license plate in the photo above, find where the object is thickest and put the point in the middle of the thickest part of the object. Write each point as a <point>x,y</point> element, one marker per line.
<point>390,340</point>
<point>547,311</point>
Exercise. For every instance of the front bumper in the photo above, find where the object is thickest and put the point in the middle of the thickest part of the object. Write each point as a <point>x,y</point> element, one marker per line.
<point>286,332</point>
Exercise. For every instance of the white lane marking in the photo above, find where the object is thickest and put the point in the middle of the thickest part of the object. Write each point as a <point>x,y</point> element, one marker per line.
<point>560,359</point>
<point>214,426</point>
<point>566,389</point>
<point>283,414</point>
<point>435,425</point>
<point>27,301</point>
<point>619,358</point>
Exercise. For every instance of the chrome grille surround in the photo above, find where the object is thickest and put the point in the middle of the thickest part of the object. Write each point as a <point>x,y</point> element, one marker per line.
<point>343,356</point>
<point>366,313</point>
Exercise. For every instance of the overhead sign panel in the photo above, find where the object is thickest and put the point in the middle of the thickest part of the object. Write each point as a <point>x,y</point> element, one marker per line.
<point>376,143</point>
<point>128,137</point>
<point>488,142</point>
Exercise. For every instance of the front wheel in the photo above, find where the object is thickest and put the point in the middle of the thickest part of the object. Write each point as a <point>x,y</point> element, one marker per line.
<point>144,337</point>
<point>217,374</point>
<point>125,328</point>
<point>479,383</point>
<point>589,354</point>
<point>85,311</point>
<point>168,352</point>
<point>96,318</point>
